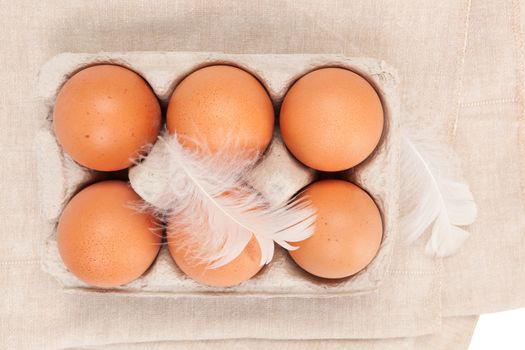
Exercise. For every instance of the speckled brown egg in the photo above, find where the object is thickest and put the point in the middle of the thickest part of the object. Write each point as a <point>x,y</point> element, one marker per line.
<point>103,239</point>
<point>104,115</point>
<point>348,230</point>
<point>331,119</point>
<point>221,105</point>
<point>241,269</point>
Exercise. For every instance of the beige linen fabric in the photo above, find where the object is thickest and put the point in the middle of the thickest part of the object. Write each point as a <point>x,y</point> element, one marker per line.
<point>446,77</point>
<point>455,334</point>
<point>488,274</point>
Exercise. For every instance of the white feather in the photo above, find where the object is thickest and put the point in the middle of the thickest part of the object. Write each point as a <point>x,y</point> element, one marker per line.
<point>216,210</point>
<point>432,195</point>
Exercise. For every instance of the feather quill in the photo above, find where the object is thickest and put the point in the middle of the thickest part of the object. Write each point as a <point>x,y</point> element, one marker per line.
<point>208,200</point>
<point>432,195</point>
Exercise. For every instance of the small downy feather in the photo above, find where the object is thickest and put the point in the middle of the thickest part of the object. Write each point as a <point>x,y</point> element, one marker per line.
<point>432,194</point>
<point>217,211</point>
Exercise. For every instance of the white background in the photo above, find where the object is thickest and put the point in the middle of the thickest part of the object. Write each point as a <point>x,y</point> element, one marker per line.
<point>500,331</point>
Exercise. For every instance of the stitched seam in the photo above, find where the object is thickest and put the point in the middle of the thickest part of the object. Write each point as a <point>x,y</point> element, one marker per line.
<point>516,18</point>
<point>490,102</point>
<point>460,73</point>
<point>452,127</point>
<point>413,273</point>
<point>520,77</point>
<point>19,262</point>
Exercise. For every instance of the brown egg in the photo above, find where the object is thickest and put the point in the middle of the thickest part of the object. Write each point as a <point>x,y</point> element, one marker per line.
<point>241,269</point>
<point>331,119</point>
<point>348,230</point>
<point>102,239</point>
<point>104,115</point>
<point>221,101</point>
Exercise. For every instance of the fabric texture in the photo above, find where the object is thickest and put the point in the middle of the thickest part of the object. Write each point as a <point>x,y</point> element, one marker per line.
<point>455,334</point>
<point>491,142</point>
<point>461,68</point>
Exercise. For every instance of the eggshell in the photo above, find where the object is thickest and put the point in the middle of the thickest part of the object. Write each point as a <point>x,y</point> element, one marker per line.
<point>217,103</point>
<point>104,115</point>
<point>331,119</point>
<point>241,269</point>
<point>348,230</point>
<point>102,239</point>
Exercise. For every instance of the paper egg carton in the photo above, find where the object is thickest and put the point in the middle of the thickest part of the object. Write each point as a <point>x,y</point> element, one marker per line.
<point>278,175</point>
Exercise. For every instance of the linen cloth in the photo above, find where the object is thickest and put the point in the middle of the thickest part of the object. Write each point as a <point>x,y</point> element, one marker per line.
<point>455,334</point>
<point>461,66</point>
<point>488,273</point>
